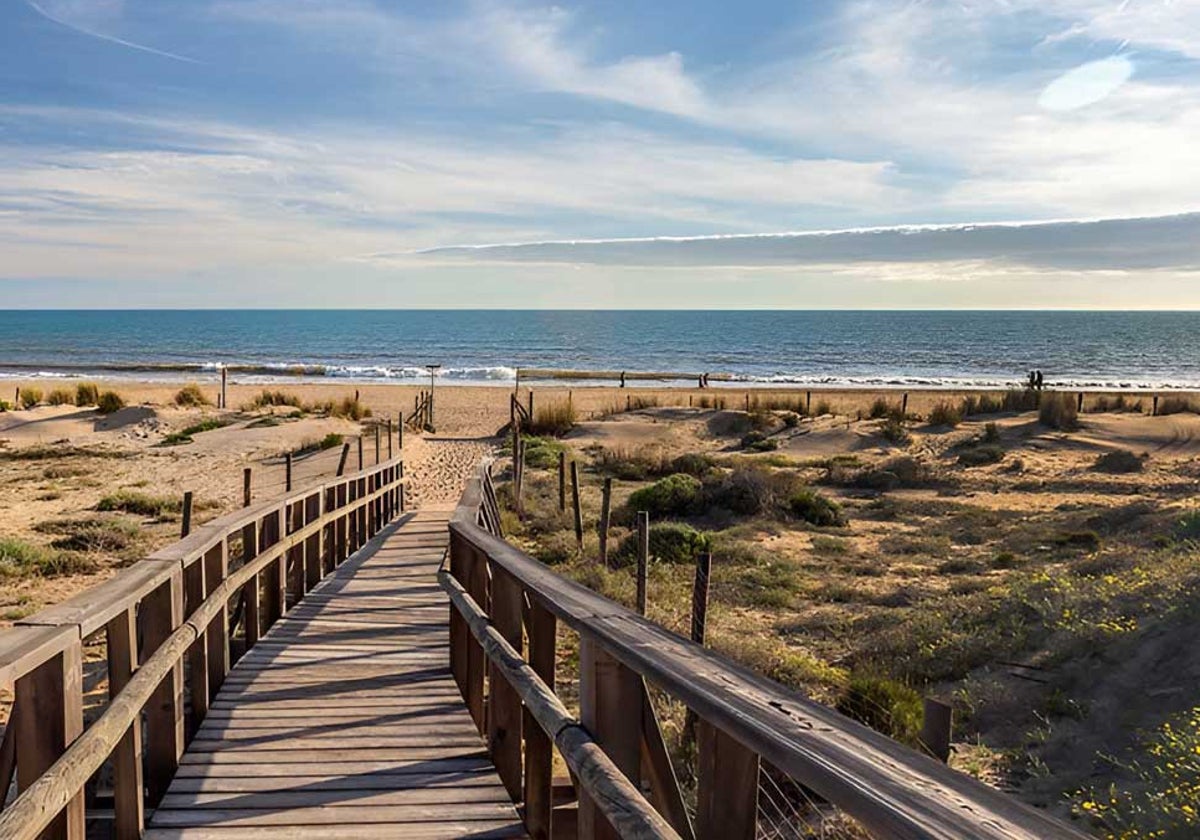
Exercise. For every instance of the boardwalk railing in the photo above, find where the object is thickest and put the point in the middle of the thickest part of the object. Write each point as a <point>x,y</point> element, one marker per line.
<point>883,788</point>
<point>167,611</point>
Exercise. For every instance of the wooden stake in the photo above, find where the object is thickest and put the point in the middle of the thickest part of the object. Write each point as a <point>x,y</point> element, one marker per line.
<point>187,514</point>
<point>389,436</point>
<point>360,453</point>
<point>400,432</point>
<point>224,382</point>
<point>936,729</point>
<point>575,500</point>
<point>377,444</point>
<point>342,461</point>
<point>246,475</point>
<point>605,515</point>
<point>562,482</point>
<point>643,558</point>
<point>700,597</point>
<point>287,475</point>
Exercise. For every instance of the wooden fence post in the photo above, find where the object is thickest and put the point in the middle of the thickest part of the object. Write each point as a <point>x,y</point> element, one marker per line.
<point>530,405</point>
<point>287,477</point>
<point>400,432</point>
<point>727,790</point>
<point>186,527</point>
<point>808,403</point>
<point>224,382</point>
<point>246,476</point>
<point>161,612</point>
<point>700,597</point>
<point>216,567</point>
<point>389,435</point>
<point>1079,404</point>
<point>575,500</point>
<point>605,516</point>
<point>50,703</point>
<point>360,453</point>
<point>562,482</point>
<point>341,469</point>
<point>936,728</point>
<point>643,558</point>
<point>609,696</point>
<point>128,810</point>
<point>504,705</point>
<point>539,751</point>
<point>377,447</point>
<point>904,404</point>
<point>1154,407</point>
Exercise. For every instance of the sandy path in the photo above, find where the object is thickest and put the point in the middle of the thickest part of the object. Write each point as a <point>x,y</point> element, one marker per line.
<point>440,467</point>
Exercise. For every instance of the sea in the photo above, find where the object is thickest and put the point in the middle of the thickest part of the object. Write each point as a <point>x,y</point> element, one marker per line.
<point>879,349</point>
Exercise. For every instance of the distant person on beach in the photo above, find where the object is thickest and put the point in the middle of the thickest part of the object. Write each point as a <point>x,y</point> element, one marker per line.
<point>1040,381</point>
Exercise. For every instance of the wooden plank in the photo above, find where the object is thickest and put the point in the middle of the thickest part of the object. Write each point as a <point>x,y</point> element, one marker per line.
<point>504,706</point>
<point>476,661</point>
<point>161,612</point>
<point>607,692</point>
<point>727,790</point>
<point>449,829</point>
<point>50,698</point>
<point>128,808</point>
<point>22,649</point>
<point>539,750</point>
<point>216,568</point>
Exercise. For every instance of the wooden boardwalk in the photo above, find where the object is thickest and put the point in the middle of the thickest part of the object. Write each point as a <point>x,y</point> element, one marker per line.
<point>344,720</point>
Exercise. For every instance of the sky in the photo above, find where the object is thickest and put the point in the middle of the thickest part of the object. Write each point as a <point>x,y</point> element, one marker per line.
<point>495,153</point>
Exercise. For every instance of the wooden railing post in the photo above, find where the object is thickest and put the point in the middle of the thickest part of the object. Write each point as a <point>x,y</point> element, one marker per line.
<point>274,575</point>
<point>313,508</point>
<point>727,794</point>
<point>50,700</point>
<point>251,593</point>
<point>128,809</point>
<point>539,751</point>
<point>476,586</point>
<point>194,593</point>
<point>610,700</point>
<point>161,612</point>
<point>605,519</point>
<point>504,705</point>
<point>216,568</point>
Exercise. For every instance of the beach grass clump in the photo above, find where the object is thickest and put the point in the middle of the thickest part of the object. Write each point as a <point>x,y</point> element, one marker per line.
<point>981,454</point>
<point>884,704</point>
<point>1059,410</point>
<point>1118,461</point>
<point>60,396</point>
<point>1107,403</point>
<point>22,559</point>
<point>945,413</point>
<point>97,534</point>
<point>1177,405</point>
<point>184,435</point>
<point>675,495</point>
<point>330,441</point>
<point>190,396</point>
<point>644,462</point>
<point>86,394</point>
<point>109,402</point>
<point>757,441</point>
<point>270,399</point>
<point>670,542</point>
<point>713,402</point>
<point>1021,399</point>
<point>5,405</point>
<point>895,431</point>
<point>141,504</point>
<point>816,508</point>
<point>30,397</point>
<point>974,404</point>
<point>553,420</point>
<point>880,408</point>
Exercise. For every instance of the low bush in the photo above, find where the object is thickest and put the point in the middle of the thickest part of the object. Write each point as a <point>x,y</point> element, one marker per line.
<point>822,409</point>
<point>101,534</point>
<point>554,419</point>
<point>21,559</point>
<point>887,706</point>
<point>185,435</point>
<point>981,454</point>
<point>190,395</point>
<point>1177,405</point>
<point>816,509</point>
<point>1118,461</point>
<point>670,542</point>
<point>86,394</point>
<point>540,453</point>
<point>894,430</point>
<point>880,408</point>
<point>1107,403</point>
<point>945,413</point>
<point>1059,411</point>
<point>60,396</point>
<point>991,433</point>
<point>330,441</point>
<point>30,397</point>
<point>350,408</point>
<point>675,495</point>
<point>109,402</point>
<point>981,404</point>
<point>1020,399</point>
<point>267,399</point>
<point>758,442</point>
<point>142,504</point>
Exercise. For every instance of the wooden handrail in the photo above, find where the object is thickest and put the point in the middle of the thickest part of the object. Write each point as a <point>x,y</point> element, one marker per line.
<point>891,790</point>
<point>620,802</point>
<point>317,528</point>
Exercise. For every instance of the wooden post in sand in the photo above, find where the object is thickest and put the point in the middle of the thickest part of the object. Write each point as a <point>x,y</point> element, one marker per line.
<point>936,729</point>
<point>575,501</point>
<point>377,444</point>
<point>287,475</point>
<point>1079,404</point>
<point>360,453</point>
<point>747,402</point>
<point>531,405</point>
<point>700,597</point>
<point>808,403</point>
<point>187,514</point>
<point>1154,407</point>
<point>400,432</point>
<point>246,487</point>
<point>342,461</point>
<point>605,516</point>
<point>389,433</point>
<point>643,558</point>
<point>562,482</point>
<point>904,404</point>
<point>224,383</point>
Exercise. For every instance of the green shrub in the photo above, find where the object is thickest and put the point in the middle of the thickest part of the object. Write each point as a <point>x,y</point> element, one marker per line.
<point>945,413</point>
<point>981,454</point>
<point>675,495</point>
<point>1059,411</point>
<point>109,402</point>
<point>816,509</point>
<point>1118,461</point>
<point>894,430</point>
<point>555,419</point>
<point>348,407</point>
<point>670,542</point>
<point>267,399</point>
<point>142,504</point>
<point>880,408</point>
<point>540,453</point>
<point>190,395</point>
<point>60,396</point>
<point>759,442</point>
<point>692,463</point>
<point>21,559</point>
<point>5,405</point>
<point>86,393</point>
<point>30,397</point>
<point>991,433</point>
<point>330,441</point>
<point>885,705</point>
<point>746,492</point>
<point>185,435</point>
<point>95,534</point>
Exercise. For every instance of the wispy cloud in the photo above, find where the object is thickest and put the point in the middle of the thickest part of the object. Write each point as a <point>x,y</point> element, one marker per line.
<point>1168,242</point>
<point>83,15</point>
